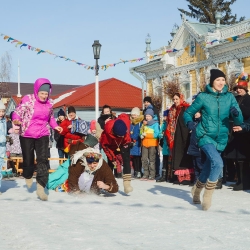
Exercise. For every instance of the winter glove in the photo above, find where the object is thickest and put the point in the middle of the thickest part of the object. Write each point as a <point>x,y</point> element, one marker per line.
<point>191,126</point>
<point>234,112</point>
<point>143,135</point>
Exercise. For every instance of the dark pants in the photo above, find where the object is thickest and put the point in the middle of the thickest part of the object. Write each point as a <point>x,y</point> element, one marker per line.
<point>157,162</point>
<point>197,164</point>
<point>125,152</point>
<point>165,163</point>
<point>40,145</point>
<point>148,161</point>
<point>62,154</point>
<point>136,161</point>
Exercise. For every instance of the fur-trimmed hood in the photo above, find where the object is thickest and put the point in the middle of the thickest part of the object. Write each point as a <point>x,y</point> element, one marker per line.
<point>80,155</point>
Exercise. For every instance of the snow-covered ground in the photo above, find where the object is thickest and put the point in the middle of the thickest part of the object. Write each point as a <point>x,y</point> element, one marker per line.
<point>153,216</point>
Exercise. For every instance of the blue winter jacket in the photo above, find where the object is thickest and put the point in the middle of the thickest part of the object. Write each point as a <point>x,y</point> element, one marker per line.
<point>193,148</point>
<point>215,113</point>
<point>135,136</point>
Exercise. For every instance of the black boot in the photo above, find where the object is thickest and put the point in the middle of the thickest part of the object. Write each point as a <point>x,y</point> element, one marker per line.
<point>239,184</point>
<point>163,176</point>
<point>219,184</point>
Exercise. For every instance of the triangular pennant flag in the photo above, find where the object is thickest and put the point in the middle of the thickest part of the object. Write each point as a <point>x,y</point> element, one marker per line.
<point>10,39</point>
<point>23,45</point>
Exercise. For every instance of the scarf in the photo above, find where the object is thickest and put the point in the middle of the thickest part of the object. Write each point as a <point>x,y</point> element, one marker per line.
<point>137,120</point>
<point>172,120</point>
<point>149,123</point>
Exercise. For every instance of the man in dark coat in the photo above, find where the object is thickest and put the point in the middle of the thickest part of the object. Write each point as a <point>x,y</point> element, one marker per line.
<point>237,150</point>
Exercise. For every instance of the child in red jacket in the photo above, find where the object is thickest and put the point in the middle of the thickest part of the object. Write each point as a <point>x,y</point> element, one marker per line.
<point>115,139</point>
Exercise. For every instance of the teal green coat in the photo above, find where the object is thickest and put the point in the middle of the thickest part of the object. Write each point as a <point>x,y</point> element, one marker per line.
<point>215,112</point>
<point>59,176</point>
<point>165,148</point>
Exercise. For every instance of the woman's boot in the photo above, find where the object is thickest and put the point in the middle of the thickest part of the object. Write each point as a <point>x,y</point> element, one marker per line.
<point>239,184</point>
<point>126,183</point>
<point>163,176</point>
<point>40,192</point>
<point>207,196</point>
<point>196,191</point>
<point>29,182</point>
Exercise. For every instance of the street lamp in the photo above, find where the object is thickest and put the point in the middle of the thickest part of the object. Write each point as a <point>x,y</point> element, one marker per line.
<point>96,50</point>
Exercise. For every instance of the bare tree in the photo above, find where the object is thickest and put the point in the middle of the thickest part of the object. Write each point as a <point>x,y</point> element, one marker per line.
<point>5,73</point>
<point>171,87</point>
<point>157,101</point>
<point>231,81</point>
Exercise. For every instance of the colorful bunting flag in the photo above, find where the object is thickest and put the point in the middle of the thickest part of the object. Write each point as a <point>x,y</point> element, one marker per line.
<point>106,66</point>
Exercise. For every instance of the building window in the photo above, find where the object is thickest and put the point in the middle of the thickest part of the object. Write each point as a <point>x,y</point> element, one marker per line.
<point>185,87</point>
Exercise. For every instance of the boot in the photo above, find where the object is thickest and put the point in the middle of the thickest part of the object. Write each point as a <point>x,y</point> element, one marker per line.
<point>219,184</point>
<point>126,183</point>
<point>207,196</point>
<point>40,192</point>
<point>196,191</point>
<point>163,176</point>
<point>29,182</point>
<point>239,184</point>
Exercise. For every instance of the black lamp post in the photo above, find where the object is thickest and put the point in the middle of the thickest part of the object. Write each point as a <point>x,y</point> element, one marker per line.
<point>96,50</point>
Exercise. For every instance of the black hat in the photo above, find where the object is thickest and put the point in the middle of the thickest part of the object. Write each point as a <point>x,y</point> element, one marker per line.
<point>147,99</point>
<point>71,109</point>
<point>215,73</point>
<point>90,141</point>
<point>61,113</point>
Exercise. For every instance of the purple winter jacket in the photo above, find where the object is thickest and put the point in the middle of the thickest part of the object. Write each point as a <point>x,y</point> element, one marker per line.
<point>36,116</point>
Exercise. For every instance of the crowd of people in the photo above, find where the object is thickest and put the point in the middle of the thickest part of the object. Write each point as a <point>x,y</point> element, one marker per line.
<point>202,144</point>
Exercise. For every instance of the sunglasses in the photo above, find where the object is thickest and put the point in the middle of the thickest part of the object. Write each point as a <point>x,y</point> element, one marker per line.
<point>92,159</point>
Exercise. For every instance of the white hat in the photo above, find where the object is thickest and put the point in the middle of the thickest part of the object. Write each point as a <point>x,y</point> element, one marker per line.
<point>135,111</point>
<point>2,106</point>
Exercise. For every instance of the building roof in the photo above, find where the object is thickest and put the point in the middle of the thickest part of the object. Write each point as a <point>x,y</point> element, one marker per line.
<point>203,28</point>
<point>113,92</point>
<point>16,99</point>
<point>28,88</point>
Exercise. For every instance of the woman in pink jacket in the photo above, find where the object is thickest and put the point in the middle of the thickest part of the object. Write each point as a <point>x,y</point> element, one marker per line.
<point>35,116</point>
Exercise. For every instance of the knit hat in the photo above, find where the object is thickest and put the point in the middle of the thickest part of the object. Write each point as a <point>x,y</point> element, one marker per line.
<point>149,112</point>
<point>90,140</point>
<point>215,73</point>
<point>45,87</point>
<point>165,112</point>
<point>242,81</point>
<point>147,99</point>
<point>92,125</point>
<point>135,111</point>
<point>119,128</point>
<point>2,106</point>
<point>60,113</point>
<point>71,109</point>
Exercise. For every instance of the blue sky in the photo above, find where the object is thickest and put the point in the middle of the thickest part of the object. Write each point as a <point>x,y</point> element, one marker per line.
<point>68,28</point>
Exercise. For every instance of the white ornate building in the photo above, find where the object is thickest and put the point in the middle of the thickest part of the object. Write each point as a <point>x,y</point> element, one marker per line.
<point>198,47</point>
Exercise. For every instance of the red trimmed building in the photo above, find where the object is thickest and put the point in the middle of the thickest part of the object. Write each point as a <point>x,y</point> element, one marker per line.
<point>121,96</point>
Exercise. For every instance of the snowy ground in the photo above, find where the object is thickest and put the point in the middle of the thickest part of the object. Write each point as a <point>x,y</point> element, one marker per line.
<point>154,216</point>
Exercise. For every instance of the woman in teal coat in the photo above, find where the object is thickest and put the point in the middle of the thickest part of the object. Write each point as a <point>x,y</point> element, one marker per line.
<point>216,104</point>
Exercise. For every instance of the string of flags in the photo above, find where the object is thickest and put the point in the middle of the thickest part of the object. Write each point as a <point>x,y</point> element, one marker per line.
<point>230,39</point>
<point>103,67</point>
<point>106,66</point>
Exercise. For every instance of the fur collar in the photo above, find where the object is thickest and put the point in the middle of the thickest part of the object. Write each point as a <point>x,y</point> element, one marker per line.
<point>79,155</point>
<point>137,120</point>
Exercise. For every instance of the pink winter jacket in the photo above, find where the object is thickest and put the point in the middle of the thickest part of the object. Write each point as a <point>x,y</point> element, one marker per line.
<point>36,117</point>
